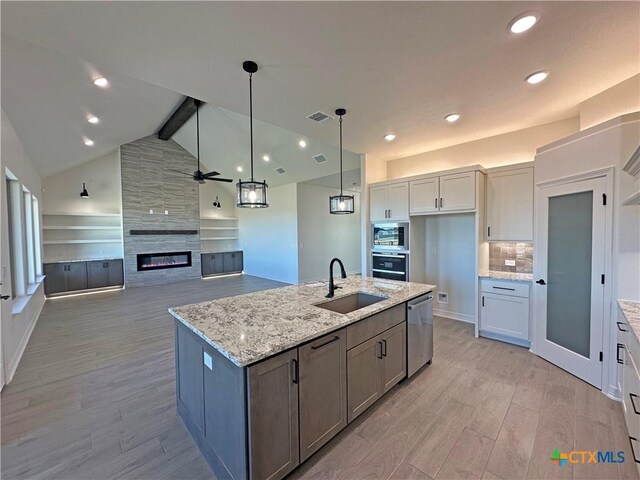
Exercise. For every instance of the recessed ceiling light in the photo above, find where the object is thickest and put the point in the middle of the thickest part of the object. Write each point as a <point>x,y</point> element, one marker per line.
<point>239,169</point>
<point>452,117</point>
<point>88,142</point>
<point>101,82</point>
<point>390,137</point>
<point>265,158</point>
<point>536,77</point>
<point>302,144</point>
<point>523,23</point>
<point>93,119</point>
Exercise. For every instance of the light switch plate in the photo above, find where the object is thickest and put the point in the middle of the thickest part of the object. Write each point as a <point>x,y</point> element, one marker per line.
<point>208,361</point>
<point>510,263</point>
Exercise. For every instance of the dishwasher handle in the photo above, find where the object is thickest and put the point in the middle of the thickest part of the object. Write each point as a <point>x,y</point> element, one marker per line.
<point>416,305</point>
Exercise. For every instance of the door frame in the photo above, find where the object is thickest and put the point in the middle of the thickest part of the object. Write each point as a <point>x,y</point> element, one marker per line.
<point>608,174</point>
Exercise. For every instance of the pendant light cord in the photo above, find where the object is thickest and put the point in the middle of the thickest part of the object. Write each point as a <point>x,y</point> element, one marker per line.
<point>341,155</point>
<point>251,119</point>
<point>198,131</point>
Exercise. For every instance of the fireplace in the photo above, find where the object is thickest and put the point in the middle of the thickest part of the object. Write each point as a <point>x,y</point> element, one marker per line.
<point>159,261</point>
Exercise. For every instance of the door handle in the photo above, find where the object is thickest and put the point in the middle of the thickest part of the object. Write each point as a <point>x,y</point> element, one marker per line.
<point>384,345</point>
<point>618,359</point>
<point>541,282</point>
<point>4,297</point>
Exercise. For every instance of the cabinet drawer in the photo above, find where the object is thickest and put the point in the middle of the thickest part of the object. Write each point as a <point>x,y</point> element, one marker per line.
<point>501,287</point>
<point>631,396</point>
<point>374,325</point>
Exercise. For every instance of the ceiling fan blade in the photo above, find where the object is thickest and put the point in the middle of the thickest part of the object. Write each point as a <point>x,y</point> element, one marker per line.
<point>182,173</point>
<point>211,174</point>
<point>228,180</point>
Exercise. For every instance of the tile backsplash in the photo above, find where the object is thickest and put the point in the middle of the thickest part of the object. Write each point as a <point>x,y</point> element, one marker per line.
<point>521,253</point>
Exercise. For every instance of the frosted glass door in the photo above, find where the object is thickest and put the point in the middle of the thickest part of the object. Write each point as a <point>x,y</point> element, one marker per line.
<point>569,271</point>
<point>569,293</point>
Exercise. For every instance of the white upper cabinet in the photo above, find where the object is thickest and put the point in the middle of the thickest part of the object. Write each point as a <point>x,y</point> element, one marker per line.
<point>424,196</point>
<point>510,205</point>
<point>458,192</point>
<point>389,202</point>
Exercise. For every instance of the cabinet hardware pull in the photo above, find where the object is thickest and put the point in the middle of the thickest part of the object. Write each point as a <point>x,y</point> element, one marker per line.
<point>483,300</point>
<point>488,231</point>
<point>633,452</point>
<point>384,344</point>
<point>316,347</point>
<point>436,203</point>
<point>294,363</point>
<point>618,359</point>
<point>620,327</point>
<point>441,202</point>
<point>633,404</point>
<point>416,305</point>
<point>505,288</point>
<point>379,356</point>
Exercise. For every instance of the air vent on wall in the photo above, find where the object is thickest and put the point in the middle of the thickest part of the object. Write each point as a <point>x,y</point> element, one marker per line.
<point>318,117</point>
<point>320,158</point>
<point>281,170</point>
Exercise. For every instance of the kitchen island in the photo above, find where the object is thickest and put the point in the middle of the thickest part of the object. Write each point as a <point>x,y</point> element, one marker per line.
<point>263,380</point>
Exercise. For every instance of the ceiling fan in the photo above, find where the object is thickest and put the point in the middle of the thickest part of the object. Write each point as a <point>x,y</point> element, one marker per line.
<point>199,176</point>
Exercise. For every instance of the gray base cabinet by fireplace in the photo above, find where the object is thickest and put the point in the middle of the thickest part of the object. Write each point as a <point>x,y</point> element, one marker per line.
<point>65,277</point>
<point>223,262</point>
<point>261,421</point>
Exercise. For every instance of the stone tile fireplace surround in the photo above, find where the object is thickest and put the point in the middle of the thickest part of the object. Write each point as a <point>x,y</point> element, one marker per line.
<point>148,186</point>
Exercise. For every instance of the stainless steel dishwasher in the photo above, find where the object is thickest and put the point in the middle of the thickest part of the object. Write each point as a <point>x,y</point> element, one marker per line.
<point>419,332</point>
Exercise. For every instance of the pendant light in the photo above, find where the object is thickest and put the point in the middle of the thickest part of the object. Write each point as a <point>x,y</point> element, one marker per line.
<point>251,194</point>
<point>84,193</point>
<point>341,204</point>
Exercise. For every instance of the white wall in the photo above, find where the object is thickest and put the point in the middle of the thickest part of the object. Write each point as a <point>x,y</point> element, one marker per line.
<point>322,236</point>
<point>15,328</point>
<point>269,236</point>
<point>451,263</point>
<point>617,100</point>
<point>226,196</point>
<point>61,192</point>
<point>514,147</point>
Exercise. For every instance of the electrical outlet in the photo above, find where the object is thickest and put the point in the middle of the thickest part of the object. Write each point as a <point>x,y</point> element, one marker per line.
<point>166,212</point>
<point>443,297</point>
<point>151,211</point>
<point>510,263</point>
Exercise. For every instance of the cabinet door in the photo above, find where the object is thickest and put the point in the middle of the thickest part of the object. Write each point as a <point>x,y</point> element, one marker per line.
<point>56,278</point>
<point>510,205</point>
<point>458,192</point>
<point>239,262</point>
<point>273,416</point>
<point>116,273</point>
<point>505,315</point>
<point>323,391</point>
<point>97,274</point>
<point>424,195</point>
<point>394,354</point>
<point>76,276</point>
<point>631,397</point>
<point>232,262</point>
<point>399,202</point>
<point>189,375</point>
<point>378,203</point>
<point>212,263</point>
<point>364,384</point>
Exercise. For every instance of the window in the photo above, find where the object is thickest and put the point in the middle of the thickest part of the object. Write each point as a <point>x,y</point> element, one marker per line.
<point>36,236</point>
<point>16,246</point>
<point>28,227</point>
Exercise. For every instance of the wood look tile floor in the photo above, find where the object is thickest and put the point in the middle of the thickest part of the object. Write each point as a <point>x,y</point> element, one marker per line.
<point>94,398</point>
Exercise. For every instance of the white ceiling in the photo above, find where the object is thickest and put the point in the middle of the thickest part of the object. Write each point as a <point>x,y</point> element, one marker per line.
<point>395,66</point>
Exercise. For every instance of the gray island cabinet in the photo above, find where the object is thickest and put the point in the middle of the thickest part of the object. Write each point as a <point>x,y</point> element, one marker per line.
<point>258,405</point>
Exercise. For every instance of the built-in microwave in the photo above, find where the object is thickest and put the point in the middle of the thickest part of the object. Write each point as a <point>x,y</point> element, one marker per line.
<point>389,265</point>
<point>390,236</point>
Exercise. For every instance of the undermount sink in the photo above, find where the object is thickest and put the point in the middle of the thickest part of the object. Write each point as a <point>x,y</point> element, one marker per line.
<point>351,303</point>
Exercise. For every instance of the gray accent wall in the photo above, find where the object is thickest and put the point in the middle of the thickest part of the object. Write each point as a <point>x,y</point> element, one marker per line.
<point>148,184</point>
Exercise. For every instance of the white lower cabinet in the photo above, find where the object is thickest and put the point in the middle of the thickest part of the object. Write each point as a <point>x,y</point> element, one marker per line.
<point>504,311</point>
<point>628,358</point>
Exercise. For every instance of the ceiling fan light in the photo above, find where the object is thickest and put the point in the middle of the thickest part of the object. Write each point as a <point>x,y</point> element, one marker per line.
<point>251,194</point>
<point>341,204</point>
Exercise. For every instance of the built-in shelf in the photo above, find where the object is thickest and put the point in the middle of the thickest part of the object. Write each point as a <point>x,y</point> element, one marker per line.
<point>80,214</point>
<point>218,218</point>
<point>218,228</point>
<point>217,238</point>
<point>81,227</point>
<point>632,167</point>
<point>75,241</point>
<point>633,199</point>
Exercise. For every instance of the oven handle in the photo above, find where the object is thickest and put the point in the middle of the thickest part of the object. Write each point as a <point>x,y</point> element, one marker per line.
<point>396,255</point>
<point>387,271</point>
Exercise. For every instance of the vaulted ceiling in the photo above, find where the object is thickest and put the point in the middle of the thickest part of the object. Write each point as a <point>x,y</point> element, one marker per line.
<point>395,66</point>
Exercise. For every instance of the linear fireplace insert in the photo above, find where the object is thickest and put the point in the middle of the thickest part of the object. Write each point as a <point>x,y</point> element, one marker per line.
<point>162,260</point>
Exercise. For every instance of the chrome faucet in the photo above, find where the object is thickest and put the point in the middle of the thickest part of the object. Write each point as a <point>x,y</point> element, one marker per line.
<point>332,287</point>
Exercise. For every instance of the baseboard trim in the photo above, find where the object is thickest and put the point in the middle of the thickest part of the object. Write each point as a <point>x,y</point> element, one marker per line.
<point>12,365</point>
<point>613,393</point>
<point>462,317</point>
<point>505,338</point>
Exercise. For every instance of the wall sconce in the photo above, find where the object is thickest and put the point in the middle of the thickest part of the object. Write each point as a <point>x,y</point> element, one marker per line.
<point>216,203</point>
<point>84,193</point>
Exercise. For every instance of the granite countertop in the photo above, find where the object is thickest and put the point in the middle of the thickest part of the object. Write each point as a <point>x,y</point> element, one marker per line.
<point>518,277</point>
<point>249,328</point>
<point>631,311</point>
